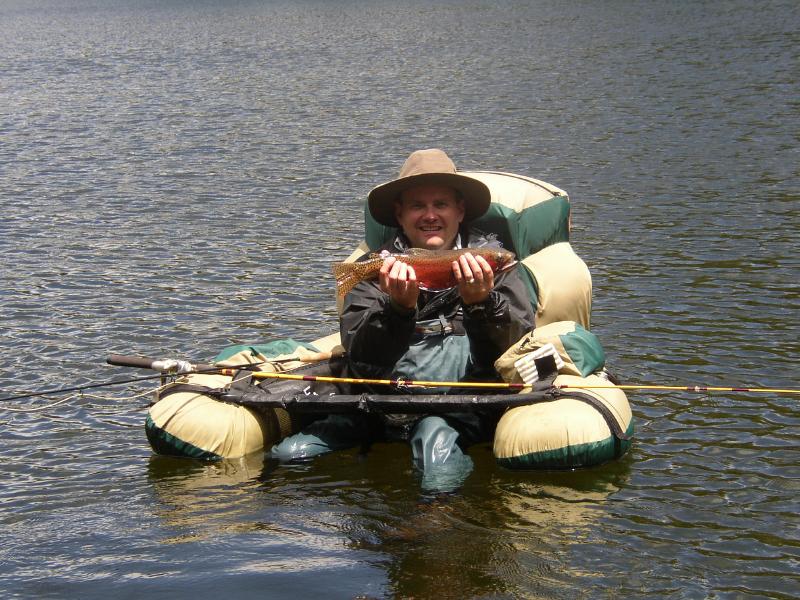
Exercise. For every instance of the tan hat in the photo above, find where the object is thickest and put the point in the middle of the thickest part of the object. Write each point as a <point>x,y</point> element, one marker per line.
<point>428,167</point>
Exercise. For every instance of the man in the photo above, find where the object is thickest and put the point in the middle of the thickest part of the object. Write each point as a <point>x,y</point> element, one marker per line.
<point>393,329</point>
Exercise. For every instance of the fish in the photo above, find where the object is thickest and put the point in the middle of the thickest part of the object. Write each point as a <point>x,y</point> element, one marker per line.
<point>433,268</point>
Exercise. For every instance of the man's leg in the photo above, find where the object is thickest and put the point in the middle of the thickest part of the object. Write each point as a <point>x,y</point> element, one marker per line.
<point>334,432</point>
<point>435,452</point>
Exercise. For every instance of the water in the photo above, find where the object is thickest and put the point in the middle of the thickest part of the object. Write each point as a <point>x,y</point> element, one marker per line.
<point>177,176</point>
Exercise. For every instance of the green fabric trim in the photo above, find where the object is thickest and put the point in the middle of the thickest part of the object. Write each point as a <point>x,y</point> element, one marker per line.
<point>269,350</point>
<point>167,444</point>
<point>584,349</point>
<point>572,457</point>
<point>523,233</point>
<point>527,232</point>
<point>375,234</point>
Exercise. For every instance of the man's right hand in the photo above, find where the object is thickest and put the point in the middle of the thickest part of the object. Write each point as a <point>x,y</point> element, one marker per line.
<point>399,281</point>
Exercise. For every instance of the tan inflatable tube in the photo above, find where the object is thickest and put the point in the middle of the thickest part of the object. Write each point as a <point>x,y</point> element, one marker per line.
<point>197,425</point>
<point>565,433</point>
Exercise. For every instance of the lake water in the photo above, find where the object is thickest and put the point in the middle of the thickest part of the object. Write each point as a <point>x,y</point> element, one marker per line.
<point>177,176</point>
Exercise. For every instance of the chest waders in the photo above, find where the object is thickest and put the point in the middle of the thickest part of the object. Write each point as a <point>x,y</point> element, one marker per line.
<point>439,350</point>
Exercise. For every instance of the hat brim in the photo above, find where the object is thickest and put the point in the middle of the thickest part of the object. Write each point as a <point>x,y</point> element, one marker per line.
<point>381,200</point>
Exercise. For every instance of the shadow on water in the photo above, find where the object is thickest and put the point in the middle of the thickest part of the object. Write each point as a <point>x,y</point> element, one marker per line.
<point>504,533</point>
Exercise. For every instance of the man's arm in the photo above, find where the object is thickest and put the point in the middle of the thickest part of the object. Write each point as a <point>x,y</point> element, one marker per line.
<point>500,321</point>
<point>374,329</point>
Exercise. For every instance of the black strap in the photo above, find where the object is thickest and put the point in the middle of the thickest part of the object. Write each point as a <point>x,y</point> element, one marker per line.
<point>384,403</point>
<point>191,388</point>
<point>600,407</point>
<point>250,395</point>
<point>241,382</point>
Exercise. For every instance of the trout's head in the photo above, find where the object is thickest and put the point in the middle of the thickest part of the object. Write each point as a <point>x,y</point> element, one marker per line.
<point>503,259</point>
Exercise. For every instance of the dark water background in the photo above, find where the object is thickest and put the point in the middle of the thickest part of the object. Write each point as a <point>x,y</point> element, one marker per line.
<point>177,176</point>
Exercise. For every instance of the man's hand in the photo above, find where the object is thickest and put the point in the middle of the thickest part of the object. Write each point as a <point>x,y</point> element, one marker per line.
<point>399,281</point>
<point>474,277</point>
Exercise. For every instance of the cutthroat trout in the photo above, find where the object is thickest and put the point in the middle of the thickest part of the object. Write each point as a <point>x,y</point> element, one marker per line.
<point>434,268</point>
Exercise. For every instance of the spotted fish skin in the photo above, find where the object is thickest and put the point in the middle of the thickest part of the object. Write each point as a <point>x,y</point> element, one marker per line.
<point>433,268</point>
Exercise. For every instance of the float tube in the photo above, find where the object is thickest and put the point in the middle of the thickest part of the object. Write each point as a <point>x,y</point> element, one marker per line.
<point>213,416</point>
<point>582,426</point>
<point>189,419</point>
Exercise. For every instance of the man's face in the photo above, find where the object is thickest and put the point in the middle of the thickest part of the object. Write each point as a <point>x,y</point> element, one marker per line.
<point>430,216</point>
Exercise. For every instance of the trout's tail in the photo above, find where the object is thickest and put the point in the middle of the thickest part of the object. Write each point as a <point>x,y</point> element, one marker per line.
<point>349,274</point>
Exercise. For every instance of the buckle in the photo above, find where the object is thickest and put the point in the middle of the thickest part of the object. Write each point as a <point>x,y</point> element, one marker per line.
<point>539,364</point>
<point>440,327</point>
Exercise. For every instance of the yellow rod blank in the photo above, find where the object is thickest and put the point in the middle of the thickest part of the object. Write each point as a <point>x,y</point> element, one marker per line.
<point>514,386</point>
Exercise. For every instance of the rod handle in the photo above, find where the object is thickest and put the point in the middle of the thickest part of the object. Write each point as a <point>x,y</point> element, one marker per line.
<point>123,360</point>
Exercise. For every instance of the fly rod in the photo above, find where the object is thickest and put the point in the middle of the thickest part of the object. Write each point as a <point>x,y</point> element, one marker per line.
<point>164,366</point>
<point>229,371</point>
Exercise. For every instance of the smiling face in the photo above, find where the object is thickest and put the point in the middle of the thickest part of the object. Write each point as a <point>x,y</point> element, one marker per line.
<point>430,216</point>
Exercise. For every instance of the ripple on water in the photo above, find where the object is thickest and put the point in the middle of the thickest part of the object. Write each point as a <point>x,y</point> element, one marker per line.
<point>179,178</point>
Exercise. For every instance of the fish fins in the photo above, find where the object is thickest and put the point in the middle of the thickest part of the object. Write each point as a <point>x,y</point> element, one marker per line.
<point>348,275</point>
<point>346,278</point>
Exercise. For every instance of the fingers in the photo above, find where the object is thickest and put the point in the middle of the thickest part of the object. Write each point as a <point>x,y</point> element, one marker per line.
<point>470,268</point>
<point>465,268</point>
<point>399,280</point>
<point>487,274</point>
<point>474,277</point>
<point>402,274</point>
<point>473,269</point>
<point>383,274</point>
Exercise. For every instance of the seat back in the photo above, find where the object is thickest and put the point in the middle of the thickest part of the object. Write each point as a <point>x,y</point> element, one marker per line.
<point>528,216</point>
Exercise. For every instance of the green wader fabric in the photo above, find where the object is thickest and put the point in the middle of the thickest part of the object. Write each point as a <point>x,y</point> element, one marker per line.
<point>434,357</point>
<point>444,466</point>
<point>435,453</point>
<point>334,432</point>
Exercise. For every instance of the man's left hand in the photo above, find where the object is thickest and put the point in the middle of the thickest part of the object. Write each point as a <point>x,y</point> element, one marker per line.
<point>474,277</point>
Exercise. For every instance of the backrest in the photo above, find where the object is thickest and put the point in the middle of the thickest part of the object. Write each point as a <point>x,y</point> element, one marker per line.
<point>528,216</point>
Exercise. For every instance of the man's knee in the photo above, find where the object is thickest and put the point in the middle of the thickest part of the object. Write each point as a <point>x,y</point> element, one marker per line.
<point>433,442</point>
<point>437,454</point>
<point>299,446</point>
<point>335,432</point>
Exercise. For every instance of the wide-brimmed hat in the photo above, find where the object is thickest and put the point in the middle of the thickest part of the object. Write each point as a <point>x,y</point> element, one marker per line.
<point>428,167</point>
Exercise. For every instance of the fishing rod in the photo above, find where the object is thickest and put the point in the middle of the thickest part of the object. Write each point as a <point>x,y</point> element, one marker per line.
<point>77,388</point>
<point>165,366</point>
<point>176,367</point>
<point>680,388</point>
<point>228,371</point>
<point>149,363</point>
<point>501,385</point>
<point>388,382</point>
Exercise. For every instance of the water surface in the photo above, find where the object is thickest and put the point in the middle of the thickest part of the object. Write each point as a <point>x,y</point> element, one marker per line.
<point>176,177</point>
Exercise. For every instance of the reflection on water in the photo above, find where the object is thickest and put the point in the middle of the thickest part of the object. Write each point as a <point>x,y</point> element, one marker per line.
<point>482,541</point>
<point>165,165</point>
<point>199,499</point>
<point>490,538</point>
